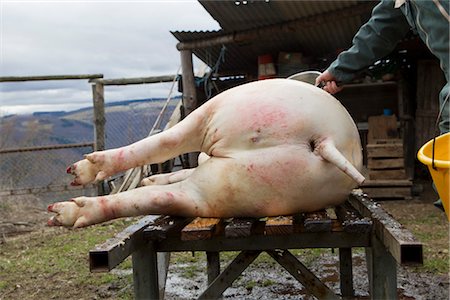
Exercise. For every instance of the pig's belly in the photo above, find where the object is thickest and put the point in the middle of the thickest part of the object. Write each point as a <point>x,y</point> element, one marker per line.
<point>272,181</point>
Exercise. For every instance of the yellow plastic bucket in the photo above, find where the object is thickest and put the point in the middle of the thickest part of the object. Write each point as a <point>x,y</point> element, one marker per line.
<point>440,172</point>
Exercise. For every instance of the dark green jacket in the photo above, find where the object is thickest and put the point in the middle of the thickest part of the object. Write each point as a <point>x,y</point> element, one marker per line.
<point>387,26</point>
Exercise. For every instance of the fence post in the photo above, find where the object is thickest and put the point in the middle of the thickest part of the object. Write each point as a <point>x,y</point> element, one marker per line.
<point>99,123</point>
<point>189,92</point>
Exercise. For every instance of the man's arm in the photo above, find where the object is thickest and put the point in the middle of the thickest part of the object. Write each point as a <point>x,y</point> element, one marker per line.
<point>374,40</point>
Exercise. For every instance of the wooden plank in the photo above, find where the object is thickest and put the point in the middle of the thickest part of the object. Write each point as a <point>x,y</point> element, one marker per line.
<point>385,163</point>
<point>242,227</point>
<point>387,183</point>
<point>332,239</point>
<point>351,220</point>
<point>136,80</point>
<point>387,174</point>
<point>384,150</point>
<point>382,127</point>
<point>300,272</point>
<point>202,228</point>
<point>48,77</point>
<point>317,221</point>
<point>399,241</point>
<point>165,227</point>
<point>47,147</point>
<point>387,141</point>
<point>282,225</point>
<point>231,272</point>
<point>106,256</point>
<point>388,192</point>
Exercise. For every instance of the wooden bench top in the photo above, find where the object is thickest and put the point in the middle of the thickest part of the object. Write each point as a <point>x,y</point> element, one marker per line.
<point>348,225</point>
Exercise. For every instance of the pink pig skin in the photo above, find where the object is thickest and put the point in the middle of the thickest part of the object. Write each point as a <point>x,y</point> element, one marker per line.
<point>272,147</point>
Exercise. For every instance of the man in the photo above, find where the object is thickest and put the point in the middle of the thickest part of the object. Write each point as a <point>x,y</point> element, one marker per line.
<point>390,22</point>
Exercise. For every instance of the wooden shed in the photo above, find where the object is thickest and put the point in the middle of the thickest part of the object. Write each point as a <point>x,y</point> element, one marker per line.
<point>261,39</point>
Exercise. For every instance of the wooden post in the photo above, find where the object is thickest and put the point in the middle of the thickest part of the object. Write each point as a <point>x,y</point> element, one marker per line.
<point>346,272</point>
<point>382,269</point>
<point>99,123</point>
<point>213,265</point>
<point>189,92</point>
<point>163,260</point>
<point>145,273</point>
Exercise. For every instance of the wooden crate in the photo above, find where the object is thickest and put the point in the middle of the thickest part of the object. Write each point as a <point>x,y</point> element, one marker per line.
<point>388,189</point>
<point>387,177</point>
<point>385,159</point>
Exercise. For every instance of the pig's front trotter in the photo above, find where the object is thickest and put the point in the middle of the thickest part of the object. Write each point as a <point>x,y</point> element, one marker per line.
<point>91,169</point>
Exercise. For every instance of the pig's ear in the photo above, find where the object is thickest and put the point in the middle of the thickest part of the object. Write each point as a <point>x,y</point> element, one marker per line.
<point>329,152</point>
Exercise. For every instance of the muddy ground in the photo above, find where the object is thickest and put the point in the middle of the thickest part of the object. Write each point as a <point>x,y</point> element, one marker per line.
<point>264,279</point>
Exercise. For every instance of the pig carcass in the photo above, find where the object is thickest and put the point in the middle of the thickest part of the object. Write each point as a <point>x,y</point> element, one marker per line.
<point>272,147</point>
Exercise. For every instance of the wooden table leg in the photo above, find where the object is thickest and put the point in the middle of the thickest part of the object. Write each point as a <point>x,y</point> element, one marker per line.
<point>145,273</point>
<point>346,272</point>
<point>382,269</point>
<point>213,265</point>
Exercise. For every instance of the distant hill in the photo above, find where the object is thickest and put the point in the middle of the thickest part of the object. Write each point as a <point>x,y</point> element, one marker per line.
<point>126,122</point>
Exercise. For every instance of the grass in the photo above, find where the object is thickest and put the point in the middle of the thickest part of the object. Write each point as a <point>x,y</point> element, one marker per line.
<point>431,228</point>
<point>53,264</point>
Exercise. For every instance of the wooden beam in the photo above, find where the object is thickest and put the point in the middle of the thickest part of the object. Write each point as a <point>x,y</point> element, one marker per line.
<point>401,243</point>
<point>189,95</point>
<point>300,272</point>
<point>106,256</point>
<point>346,272</point>
<point>189,91</point>
<point>231,272</point>
<point>271,30</point>
<point>48,77</point>
<point>44,189</point>
<point>45,148</point>
<point>332,239</point>
<point>136,80</point>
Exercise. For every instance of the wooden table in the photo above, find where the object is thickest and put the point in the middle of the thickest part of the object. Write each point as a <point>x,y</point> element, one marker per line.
<point>359,222</point>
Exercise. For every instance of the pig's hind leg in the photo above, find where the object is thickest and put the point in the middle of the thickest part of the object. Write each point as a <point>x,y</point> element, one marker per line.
<point>186,136</point>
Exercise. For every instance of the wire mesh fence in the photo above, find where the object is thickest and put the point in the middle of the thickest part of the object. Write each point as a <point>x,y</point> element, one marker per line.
<point>35,149</point>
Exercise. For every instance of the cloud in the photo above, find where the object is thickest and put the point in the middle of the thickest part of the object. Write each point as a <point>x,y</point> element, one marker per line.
<point>116,38</point>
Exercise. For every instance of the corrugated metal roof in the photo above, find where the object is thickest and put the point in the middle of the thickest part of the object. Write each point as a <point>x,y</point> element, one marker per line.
<point>319,37</point>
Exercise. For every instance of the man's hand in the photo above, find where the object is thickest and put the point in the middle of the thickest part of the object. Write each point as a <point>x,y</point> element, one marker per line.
<point>329,82</point>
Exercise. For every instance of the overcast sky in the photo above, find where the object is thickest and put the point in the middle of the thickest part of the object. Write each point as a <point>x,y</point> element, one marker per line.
<point>116,38</point>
